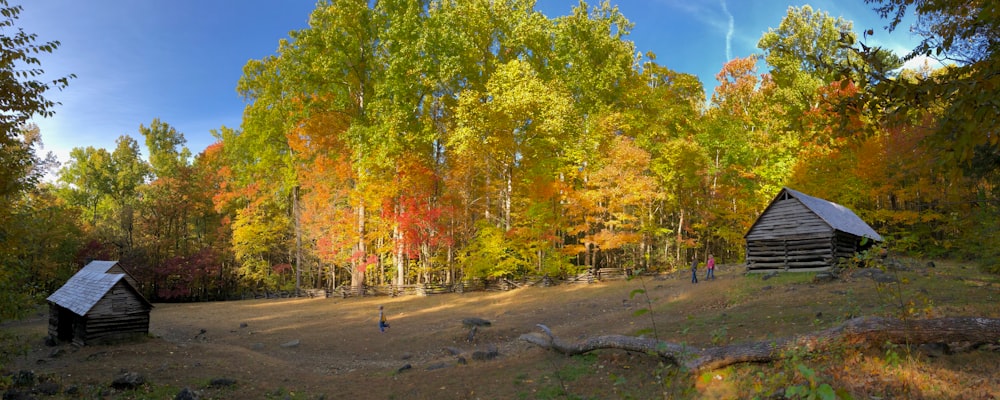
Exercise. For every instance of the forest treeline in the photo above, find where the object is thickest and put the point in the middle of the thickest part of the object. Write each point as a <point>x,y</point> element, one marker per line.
<point>417,141</point>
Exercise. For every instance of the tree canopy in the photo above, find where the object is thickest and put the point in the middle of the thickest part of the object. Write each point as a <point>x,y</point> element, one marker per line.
<point>404,142</point>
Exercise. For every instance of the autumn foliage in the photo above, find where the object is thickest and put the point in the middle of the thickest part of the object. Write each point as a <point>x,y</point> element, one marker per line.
<point>408,142</point>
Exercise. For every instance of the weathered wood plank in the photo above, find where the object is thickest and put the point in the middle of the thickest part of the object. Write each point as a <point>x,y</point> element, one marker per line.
<point>794,246</point>
<point>794,254</point>
<point>780,235</point>
<point>782,269</point>
<point>790,264</point>
<point>784,243</point>
<point>798,256</point>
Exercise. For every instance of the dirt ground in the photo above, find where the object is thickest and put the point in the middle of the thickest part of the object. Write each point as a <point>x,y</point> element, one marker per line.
<point>332,348</point>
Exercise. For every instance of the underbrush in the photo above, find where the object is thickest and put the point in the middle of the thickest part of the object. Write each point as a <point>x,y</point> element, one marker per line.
<point>881,371</point>
<point>755,308</point>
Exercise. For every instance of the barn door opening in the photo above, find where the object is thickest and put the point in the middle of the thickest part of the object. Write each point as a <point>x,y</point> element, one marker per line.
<point>64,331</point>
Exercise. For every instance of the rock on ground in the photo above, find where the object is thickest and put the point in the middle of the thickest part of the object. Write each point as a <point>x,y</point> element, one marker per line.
<point>186,394</point>
<point>128,381</point>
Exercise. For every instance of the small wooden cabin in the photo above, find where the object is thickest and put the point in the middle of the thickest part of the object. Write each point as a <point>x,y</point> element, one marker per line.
<point>98,304</point>
<point>797,232</point>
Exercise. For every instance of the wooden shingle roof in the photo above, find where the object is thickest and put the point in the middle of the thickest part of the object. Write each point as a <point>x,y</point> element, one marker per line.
<point>99,266</point>
<point>84,290</point>
<point>88,286</point>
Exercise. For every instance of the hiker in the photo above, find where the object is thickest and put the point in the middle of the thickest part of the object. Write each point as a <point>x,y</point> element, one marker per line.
<point>694,271</point>
<point>381,320</point>
<point>710,267</point>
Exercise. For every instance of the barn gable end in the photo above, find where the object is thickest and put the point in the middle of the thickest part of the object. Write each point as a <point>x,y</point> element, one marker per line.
<point>110,267</point>
<point>96,306</point>
<point>804,233</point>
<point>787,217</point>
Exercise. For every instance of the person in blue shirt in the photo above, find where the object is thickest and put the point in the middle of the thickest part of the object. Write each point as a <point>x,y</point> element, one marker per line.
<point>382,324</point>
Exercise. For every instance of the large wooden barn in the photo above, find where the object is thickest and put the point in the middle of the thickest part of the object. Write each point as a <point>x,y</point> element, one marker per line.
<point>797,232</point>
<point>98,304</point>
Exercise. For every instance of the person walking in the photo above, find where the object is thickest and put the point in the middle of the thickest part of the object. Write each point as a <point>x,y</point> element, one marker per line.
<point>382,324</point>
<point>710,268</point>
<point>694,271</point>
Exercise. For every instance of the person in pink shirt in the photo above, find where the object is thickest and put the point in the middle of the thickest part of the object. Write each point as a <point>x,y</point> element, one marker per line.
<point>710,267</point>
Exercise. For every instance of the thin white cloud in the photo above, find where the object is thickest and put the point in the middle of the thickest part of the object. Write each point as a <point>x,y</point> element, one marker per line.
<point>716,18</point>
<point>729,32</point>
<point>700,11</point>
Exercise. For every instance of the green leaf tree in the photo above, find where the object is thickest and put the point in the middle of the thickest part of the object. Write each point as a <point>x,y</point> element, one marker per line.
<point>23,92</point>
<point>105,186</point>
<point>809,49</point>
<point>38,232</point>
<point>21,73</point>
<point>167,154</point>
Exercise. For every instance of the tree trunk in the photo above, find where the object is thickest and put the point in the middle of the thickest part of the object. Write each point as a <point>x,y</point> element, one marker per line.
<point>425,261</point>
<point>358,275</point>
<point>397,235</point>
<point>451,270</point>
<point>486,194</point>
<point>540,254</point>
<point>588,260</point>
<point>875,330</point>
<point>298,241</point>
<point>680,237</point>
<point>507,195</point>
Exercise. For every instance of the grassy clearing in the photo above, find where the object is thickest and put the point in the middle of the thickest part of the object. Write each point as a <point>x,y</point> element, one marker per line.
<point>340,357</point>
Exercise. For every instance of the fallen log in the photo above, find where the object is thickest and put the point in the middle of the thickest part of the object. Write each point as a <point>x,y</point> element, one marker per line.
<point>858,330</point>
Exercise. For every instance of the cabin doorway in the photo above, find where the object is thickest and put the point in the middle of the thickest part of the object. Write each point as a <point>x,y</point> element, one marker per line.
<point>64,329</point>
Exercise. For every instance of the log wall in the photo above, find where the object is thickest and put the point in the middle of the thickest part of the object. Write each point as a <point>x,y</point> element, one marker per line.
<point>790,253</point>
<point>119,314</point>
<point>846,245</point>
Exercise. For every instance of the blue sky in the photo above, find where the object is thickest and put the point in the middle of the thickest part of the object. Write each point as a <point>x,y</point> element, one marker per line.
<point>180,60</point>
